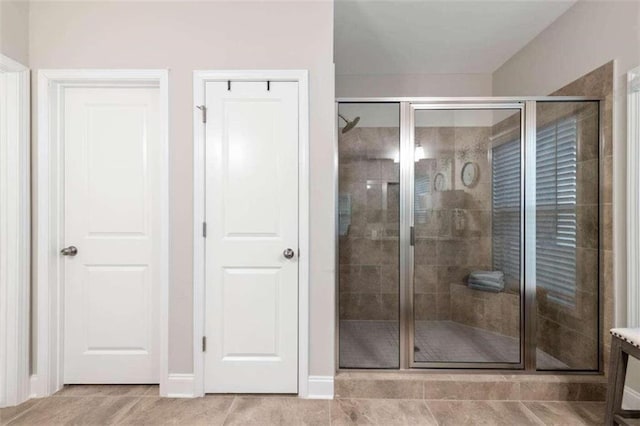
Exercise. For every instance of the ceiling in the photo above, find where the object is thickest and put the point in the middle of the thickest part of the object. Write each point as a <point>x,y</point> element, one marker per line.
<point>436,37</point>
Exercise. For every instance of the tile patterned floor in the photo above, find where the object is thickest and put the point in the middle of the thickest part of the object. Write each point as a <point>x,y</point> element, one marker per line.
<point>140,405</point>
<point>374,344</point>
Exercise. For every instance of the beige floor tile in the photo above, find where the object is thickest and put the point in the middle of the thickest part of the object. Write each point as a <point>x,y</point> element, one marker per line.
<point>380,412</point>
<point>100,407</point>
<point>76,411</point>
<point>9,413</point>
<point>568,413</point>
<point>210,410</point>
<point>458,413</point>
<point>103,390</point>
<point>278,411</point>
<point>154,390</point>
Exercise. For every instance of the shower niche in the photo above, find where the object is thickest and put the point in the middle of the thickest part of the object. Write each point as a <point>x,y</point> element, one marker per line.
<point>443,261</point>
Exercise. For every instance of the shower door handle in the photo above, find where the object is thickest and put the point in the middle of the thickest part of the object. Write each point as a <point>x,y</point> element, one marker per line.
<point>288,253</point>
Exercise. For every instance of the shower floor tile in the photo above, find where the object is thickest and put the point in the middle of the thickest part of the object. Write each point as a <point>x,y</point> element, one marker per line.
<point>375,344</point>
<point>369,344</point>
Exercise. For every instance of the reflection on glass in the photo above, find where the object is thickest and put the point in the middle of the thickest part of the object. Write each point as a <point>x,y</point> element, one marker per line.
<point>567,229</point>
<point>369,227</point>
<point>467,216</point>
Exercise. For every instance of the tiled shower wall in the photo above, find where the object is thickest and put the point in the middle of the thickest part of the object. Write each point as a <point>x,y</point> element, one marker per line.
<point>453,230</point>
<point>370,224</point>
<point>571,333</point>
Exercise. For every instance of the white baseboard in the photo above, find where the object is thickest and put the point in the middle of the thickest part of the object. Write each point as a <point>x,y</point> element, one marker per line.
<point>320,387</point>
<point>37,387</point>
<point>180,386</point>
<point>631,399</point>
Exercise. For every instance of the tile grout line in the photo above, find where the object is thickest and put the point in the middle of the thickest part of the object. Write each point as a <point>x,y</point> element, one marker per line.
<point>424,401</point>
<point>105,396</point>
<point>119,419</point>
<point>61,394</point>
<point>25,411</point>
<point>470,399</point>
<point>226,416</point>
<point>145,394</point>
<point>531,411</point>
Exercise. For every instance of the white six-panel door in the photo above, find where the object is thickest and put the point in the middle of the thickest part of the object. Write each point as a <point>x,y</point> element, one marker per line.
<point>112,216</point>
<point>252,218</point>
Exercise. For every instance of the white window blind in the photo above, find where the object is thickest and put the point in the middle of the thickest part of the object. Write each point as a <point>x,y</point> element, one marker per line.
<point>506,209</point>
<point>422,187</point>
<point>556,167</point>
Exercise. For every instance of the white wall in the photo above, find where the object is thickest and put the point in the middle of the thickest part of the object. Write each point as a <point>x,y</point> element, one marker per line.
<point>413,85</point>
<point>185,36</point>
<point>588,35</point>
<point>14,30</point>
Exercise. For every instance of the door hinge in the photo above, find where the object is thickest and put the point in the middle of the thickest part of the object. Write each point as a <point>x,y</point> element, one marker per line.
<point>204,229</point>
<point>204,343</point>
<point>203,108</point>
<point>412,236</point>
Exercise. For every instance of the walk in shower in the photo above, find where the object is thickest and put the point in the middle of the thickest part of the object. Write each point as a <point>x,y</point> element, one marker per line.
<point>468,233</point>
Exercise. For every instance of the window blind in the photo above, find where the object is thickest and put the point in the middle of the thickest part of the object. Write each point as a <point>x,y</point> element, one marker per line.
<point>556,197</point>
<point>506,209</point>
<point>422,187</point>
<point>556,192</point>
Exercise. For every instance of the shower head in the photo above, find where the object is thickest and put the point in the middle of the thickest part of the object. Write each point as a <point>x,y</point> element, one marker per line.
<point>349,124</point>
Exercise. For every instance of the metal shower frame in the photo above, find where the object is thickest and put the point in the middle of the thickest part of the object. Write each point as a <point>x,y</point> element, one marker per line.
<point>527,107</point>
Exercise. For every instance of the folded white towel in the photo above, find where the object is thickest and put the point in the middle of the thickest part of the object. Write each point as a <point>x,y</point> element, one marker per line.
<point>492,281</point>
<point>491,275</point>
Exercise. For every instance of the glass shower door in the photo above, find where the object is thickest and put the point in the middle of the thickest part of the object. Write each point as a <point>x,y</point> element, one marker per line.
<point>470,233</point>
<point>368,235</point>
<point>467,236</point>
<point>567,235</point>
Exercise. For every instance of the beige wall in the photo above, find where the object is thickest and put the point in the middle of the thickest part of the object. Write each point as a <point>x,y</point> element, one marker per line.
<point>226,35</point>
<point>413,85</point>
<point>14,30</point>
<point>588,35</point>
<point>189,36</point>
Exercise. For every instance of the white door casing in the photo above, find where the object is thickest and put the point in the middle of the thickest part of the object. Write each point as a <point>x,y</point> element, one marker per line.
<point>111,212</point>
<point>15,222</point>
<point>53,86</point>
<point>252,218</point>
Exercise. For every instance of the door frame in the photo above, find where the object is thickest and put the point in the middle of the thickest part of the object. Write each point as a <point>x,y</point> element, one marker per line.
<point>200,79</point>
<point>48,375</point>
<point>15,232</point>
<point>408,172</point>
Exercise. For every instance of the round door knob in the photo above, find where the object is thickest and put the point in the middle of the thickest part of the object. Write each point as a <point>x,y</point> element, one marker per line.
<point>69,251</point>
<point>288,253</point>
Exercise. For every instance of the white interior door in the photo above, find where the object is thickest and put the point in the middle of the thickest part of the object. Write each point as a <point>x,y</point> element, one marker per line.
<point>252,218</point>
<point>112,216</point>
